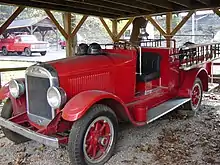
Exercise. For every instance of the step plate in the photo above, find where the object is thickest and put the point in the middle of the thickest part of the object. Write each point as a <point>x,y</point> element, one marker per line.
<point>165,108</point>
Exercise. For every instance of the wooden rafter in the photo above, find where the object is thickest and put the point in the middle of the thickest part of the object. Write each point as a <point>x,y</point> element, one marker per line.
<point>124,28</point>
<point>162,4</point>
<point>105,5</point>
<point>76,29</point>
<point>178,27</point>
<point>107,28</point>
<point>156,25</point>
<point>60,28</point>
<point>184,3</point>
<point>11,19</point>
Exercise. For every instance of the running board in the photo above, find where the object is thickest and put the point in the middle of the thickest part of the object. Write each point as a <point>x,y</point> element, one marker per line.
<point>212,86</point>
<point>165,108</point>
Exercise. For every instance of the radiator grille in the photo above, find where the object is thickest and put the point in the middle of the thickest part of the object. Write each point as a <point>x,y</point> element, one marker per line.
<point>37,96</point>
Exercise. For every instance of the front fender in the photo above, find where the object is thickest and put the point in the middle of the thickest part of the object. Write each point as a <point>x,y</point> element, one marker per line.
<point>77,106</point>
<point>188,79</point>
<point>4,92</point>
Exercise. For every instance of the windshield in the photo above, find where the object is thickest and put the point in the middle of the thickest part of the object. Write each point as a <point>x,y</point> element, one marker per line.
<point>28,38</point>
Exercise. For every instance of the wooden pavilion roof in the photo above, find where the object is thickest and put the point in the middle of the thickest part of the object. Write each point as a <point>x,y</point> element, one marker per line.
<point>117,9</point>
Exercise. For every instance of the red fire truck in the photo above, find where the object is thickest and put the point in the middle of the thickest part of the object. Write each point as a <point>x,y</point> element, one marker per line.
<point>26,44</point>
<point>80,100</point>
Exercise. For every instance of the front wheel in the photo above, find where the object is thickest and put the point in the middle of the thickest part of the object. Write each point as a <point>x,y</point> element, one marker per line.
<point>196,96</point>
<point>7,112</point>
<point>93,137</point>
<point>27,52</point>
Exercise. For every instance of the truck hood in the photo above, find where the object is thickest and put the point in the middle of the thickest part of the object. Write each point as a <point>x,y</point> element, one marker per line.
<point>87,63</point>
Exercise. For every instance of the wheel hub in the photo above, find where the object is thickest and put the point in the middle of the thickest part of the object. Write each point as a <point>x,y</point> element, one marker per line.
<point>98,139</point>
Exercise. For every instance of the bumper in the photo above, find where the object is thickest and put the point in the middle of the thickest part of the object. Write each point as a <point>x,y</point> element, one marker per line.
<point>47,140</point>
<point>39,50</point>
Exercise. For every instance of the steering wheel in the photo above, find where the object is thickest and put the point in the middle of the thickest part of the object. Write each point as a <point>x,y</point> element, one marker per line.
<point>122,43</point>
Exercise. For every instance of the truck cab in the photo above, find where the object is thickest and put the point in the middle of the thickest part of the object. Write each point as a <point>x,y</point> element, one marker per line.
<point>80,100</point>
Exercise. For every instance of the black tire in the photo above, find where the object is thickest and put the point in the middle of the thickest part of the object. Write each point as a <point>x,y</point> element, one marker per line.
<point>43,53</point>
<point>19,53</point>
<point>62,47</point>
<point>7,113</point>
<point>189,105</point>
<point>4,51</point>
<point>80,130</point>
<point>27,52</point>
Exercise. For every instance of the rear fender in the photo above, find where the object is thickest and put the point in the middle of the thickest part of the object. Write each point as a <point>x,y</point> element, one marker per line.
<point>189,77</point>
<point>80,104</point>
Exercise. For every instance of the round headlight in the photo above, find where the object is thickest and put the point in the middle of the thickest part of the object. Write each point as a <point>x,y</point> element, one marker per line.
<point>56,97</point>
<point>16,88</point>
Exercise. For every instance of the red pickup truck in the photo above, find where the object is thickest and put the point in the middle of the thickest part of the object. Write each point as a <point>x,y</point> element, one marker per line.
<point>26,44</point>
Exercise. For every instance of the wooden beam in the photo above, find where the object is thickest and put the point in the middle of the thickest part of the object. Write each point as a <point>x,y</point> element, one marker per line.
<point>156,25</point>
<point>107,28</point>
<point>11,19</point>
<point>178,27</point>
<point>216,11</point>
<point>60,28</point>
<point>114,27</point>
<point>106,5</point>
<point>124,28</point>
<point>168,28</point>
<point>59,7</point>
<point>76,29</point>
<point>184,3</point>
<point>161,4</point>
<point>69,40</point>
<point>79,6</point>
<point>133,4</point>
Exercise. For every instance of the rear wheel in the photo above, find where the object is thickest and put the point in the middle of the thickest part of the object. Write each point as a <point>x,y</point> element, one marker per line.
<point>196,96</point>
<point>43,53</point>
<point>93,137</point>
<point>4,51</point>
<point>27,52</point>
<point>6,113</point>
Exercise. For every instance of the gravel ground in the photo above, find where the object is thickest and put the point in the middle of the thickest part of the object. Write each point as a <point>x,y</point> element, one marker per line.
<point>177,138</point>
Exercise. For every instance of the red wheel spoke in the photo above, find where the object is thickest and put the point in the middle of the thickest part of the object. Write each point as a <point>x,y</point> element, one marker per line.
<point>94,151</point>
<point>97,126</point>
<point>89,149</point>
<point>103,127</point>
<point>102,149</point>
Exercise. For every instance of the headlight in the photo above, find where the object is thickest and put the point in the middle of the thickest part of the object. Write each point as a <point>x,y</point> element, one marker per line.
<point>56,97</point>
<point>16,88</point>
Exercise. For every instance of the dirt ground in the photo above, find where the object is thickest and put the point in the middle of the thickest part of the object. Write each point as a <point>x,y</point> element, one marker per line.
<point>178,138</point>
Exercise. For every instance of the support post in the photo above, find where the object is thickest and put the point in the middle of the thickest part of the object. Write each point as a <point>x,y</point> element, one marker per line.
<point>216,11</point>
<point>11,19</point>
<point>114,27</point>
<point>168,28</point>
<point>69,40</point>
